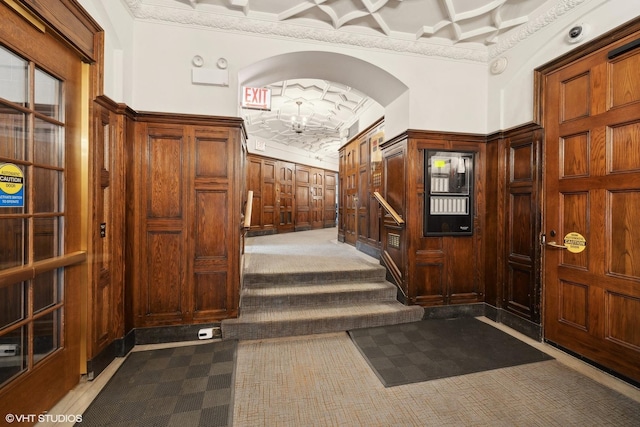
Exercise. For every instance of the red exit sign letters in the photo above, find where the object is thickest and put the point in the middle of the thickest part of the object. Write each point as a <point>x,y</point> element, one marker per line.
<point>257,98</point>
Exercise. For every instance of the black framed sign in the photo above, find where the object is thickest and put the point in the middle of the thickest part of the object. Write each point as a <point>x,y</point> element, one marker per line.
<point>448,208</point>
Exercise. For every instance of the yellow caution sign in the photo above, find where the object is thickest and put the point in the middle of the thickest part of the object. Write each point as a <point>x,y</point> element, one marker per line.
<point>575,242</point>
<point>11,186</point>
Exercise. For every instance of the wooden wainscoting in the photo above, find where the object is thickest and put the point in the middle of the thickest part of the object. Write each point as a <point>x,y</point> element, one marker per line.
<point>289,196</point>
<point>438,270</point>
<point>185,196</point>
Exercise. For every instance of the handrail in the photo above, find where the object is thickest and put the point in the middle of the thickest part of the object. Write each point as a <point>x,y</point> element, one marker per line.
<point>248,209</point>
<point>387,207</point>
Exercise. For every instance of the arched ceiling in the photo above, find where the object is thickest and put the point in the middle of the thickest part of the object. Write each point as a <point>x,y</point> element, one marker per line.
<point>329,109</point>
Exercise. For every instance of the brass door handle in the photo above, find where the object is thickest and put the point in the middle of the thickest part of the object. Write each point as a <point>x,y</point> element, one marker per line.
<point>555,245</point>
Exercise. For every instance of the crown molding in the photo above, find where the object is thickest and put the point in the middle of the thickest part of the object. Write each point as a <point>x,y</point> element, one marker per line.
<point>298,32</point>
<point>246,25</point>
<point>533,26</point>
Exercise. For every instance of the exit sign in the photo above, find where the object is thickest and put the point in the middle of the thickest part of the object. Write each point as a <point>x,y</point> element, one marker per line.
<point>256,98</point>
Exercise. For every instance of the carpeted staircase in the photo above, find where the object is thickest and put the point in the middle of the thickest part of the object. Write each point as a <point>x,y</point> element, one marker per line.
<point>278,304</point>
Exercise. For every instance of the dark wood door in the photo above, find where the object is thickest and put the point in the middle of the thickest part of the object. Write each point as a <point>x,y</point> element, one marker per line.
<point>330,188</point>
<point>592,189</point>
<point>285,196</point>
<point>316,194</point>
<point>303,198</point>
<point>107,305</point>
<point>521,293</point>
<point>350,200</point>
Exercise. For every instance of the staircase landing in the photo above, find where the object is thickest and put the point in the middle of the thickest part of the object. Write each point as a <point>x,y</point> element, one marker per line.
<point>307,283</point>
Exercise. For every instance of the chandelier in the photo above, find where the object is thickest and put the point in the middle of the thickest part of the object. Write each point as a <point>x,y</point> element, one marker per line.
<point>298,122</point>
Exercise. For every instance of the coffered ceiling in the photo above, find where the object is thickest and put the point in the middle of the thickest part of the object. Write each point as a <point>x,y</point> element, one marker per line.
<point>471,30</point>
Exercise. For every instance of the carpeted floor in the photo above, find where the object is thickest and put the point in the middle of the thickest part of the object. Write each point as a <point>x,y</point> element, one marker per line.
<point>432,349</point>
<point>182,386</point>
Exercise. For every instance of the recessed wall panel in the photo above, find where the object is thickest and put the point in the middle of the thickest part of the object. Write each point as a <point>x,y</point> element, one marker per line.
<point>164,285</point>
<point>574,301</point>
<point>165,185</point>
<point>624,240</point>
<point>625,80</point>
<point>623,319</point>
<point>575,208</point>
<point>623,147</point>
<point>574,155</point>
<point>575,96</point>
<point>211,224</point>
<point>212,158</point>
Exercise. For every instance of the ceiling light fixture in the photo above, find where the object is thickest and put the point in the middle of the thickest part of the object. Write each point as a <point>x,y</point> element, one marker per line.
<point>298,122</point>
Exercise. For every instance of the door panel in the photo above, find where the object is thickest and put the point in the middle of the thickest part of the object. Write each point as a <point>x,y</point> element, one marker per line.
<point>303,198</point>
<point>330,184</point>
<point>285,196</point>
<point>316,190</point>
<point>592,187</point>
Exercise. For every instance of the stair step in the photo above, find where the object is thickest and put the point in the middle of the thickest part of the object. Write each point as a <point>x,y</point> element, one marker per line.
<point>313,277</point>
<point>312,320</point>
<point>316,294</point>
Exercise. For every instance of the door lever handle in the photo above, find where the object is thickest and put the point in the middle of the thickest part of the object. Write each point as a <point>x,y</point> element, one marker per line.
<point>555,245</point>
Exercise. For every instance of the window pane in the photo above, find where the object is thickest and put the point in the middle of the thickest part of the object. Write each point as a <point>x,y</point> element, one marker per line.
<point>47,144</point>
<point>46,290</point>
<point>47,185</point>
<point>45,238</point>
<point>13,133</point>
<point>47,94</point>
<point>11,305</point>
<point>13,347</point>
<point>12,238</point>
<point>46,335</point>
<point>13,77</point>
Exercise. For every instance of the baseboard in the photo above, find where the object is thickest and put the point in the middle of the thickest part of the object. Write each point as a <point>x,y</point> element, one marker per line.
<point>595,364</point>
<point>453,311</point>
<point>372,251</point>
<point>120,347</point>
<point>498,315</point>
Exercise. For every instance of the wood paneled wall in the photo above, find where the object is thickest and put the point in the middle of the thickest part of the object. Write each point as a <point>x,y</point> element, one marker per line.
<point>359,213</point>
<point>438,270</point>
<point>290,197</point>
<point>185,193</point>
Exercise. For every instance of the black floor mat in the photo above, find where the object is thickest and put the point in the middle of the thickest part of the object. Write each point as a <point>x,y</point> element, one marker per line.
<point>187,386</point>
<point>432,349</point>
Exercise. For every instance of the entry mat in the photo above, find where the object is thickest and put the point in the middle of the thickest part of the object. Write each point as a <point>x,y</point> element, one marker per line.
<point>185,386</point>
<point>437,348</point>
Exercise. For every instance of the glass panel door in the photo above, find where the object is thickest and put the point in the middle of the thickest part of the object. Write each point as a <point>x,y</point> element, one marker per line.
<point>32,173</point>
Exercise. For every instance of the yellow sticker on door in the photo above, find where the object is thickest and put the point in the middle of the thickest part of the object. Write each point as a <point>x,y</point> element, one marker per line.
<point>11,186</point>
<point>575,242</point>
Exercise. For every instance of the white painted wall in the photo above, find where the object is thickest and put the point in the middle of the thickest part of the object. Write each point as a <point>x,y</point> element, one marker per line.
<point>510,94</point>
<point>148,67</point>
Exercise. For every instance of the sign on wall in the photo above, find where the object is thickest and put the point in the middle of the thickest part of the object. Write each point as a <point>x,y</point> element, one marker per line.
<point>256,98</point>
<point>11,186</point>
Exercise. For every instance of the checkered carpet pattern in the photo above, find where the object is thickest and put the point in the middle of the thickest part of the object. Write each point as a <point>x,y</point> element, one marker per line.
<point>439,348</point>
<point>182,386</point>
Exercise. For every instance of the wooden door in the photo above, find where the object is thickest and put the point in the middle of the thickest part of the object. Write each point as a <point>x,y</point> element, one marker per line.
<point>521,291</point>
<point>285,196</point>
<point>106,293</point>
<point>592,188</point>
<point>316,194</point>
<point>350,200</point>
<point>41,223</point>
<point>330,188</point>
<point>303,198</point>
